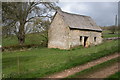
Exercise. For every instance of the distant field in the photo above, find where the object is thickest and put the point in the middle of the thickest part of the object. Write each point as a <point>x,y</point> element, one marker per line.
<point>110,35</point>
<point>40,62</point>
<point>106,34</point>
<point>108,31</point>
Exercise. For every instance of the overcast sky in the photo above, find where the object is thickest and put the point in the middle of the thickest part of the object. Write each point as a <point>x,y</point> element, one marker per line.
<point>102,12</point>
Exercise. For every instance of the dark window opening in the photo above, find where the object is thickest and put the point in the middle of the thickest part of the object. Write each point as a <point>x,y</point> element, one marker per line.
<point>95,39</point>
<point>80,38</point>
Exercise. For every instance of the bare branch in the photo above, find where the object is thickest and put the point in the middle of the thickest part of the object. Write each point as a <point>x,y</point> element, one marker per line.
<point>37,17</point>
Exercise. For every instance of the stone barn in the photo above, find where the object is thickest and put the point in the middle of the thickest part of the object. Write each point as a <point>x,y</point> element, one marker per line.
<point>70,30</point>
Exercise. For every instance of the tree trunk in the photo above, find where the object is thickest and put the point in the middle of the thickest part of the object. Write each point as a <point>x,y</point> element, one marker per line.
<point>21,34</point>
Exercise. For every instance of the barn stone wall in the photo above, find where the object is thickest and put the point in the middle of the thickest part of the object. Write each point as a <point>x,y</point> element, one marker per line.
<point>75,37</point>
<point>58,34</point>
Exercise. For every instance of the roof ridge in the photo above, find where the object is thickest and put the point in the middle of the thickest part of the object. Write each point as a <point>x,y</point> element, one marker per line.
<point>60,11</point>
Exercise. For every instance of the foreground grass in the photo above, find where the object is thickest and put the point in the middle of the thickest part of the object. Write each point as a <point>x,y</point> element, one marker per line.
<point>40,62</point>
<point>95,68</point>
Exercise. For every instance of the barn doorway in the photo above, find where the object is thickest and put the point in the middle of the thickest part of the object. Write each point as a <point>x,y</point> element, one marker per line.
<point>85,41</point>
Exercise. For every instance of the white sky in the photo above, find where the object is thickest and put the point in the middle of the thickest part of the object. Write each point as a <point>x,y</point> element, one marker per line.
<point>102,12</point>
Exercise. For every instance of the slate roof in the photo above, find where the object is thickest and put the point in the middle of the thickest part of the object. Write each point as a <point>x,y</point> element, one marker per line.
<point>79,21</point>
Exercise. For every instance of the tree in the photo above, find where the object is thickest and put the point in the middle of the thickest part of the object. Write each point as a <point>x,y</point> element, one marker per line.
<point>24,12</point>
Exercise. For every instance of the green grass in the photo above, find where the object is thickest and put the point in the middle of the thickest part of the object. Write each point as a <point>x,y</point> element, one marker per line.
<point>106,34</point>
<point>116,75</point>
<point>110,35</point>
<point>35,38</point>
<point>95,68</point>
<point>40,62</point>
<point>106,31</point>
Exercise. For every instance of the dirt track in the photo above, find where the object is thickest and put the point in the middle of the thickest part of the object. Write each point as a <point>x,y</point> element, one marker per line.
<point>105,72</point>
<point>74,70</point>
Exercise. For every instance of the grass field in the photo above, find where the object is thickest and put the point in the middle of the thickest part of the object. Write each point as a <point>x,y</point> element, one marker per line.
<point>40,62</point>
<point>106,34</point>
<point>96,68</point>
<point>35,38</point>
<point>108,31</point>
<point>110,35</point>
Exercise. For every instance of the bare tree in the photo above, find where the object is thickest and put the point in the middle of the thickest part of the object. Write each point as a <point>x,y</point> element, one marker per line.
<point>24,12</point>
